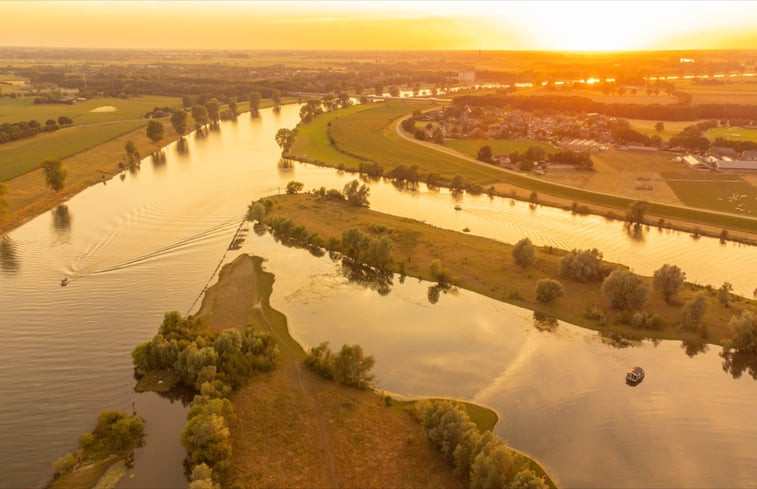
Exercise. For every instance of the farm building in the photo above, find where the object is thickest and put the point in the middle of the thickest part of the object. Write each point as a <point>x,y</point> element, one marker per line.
<point>729,164</point>
<point>722,151</point>
<point>749,155</point>
<point>695,163</point>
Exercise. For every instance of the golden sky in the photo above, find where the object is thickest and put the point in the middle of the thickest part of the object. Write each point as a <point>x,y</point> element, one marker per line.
<point>495,25</point>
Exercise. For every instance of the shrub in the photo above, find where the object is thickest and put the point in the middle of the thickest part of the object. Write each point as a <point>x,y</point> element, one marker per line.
<point>668,279</point>
<point>524,253</point>
<point>693,311</point>
<point>583,265</point>
<point>548,290</point>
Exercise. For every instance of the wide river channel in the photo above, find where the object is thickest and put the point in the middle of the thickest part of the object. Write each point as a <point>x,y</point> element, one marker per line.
<point>147,242</point>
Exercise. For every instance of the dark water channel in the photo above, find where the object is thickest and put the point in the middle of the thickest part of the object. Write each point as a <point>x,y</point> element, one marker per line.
<point>148,242</point>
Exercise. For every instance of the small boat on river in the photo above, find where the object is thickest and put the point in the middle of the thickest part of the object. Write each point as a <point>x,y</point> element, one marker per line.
<point>64,282</point>
<point>635,375</point>
<point>458,208</point>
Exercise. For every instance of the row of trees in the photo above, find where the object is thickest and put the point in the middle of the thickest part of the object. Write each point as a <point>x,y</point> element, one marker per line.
<point>559,103</point>
<point>483,460</point>
<point>13,131</point>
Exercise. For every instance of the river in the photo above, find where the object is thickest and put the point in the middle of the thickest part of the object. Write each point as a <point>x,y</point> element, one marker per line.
<point>147,242</point>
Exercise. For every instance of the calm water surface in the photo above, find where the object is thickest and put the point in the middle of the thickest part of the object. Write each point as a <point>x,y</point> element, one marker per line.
<point>147,243</point>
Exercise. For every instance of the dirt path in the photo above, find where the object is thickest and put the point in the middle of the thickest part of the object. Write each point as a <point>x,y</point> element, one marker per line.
<point>327,454</point>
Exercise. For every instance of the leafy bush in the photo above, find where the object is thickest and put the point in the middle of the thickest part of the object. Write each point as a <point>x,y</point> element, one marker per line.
<point>524,253</point>
<point>548,290</point>
<point>668,279</point>
<point>583,265</point>
<point>625,290</point>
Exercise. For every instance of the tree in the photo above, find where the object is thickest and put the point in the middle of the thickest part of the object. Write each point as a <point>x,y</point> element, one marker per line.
<point>524,253</point>
<point>213,109</point>
<point>659,127</point>
<point>485,154</point>
<point>65,121</point>
<point>724,294</point>
<point>357,194</point>
<point>200,116</point>
<point>394,91</point>
<point>582,265</point>
<point>155,130</point>
<point>668,279</point>
<point>636,212</point>
<point>179,121</point>
<point>744,332</point>
<point>438,136</point>
<point>439,273</point>
<point>526,479</point>
<point>254,104</point>
<point>457,184</point>
<point>625,290</point>
<point>284,138</point>
<point>256,212</point>
<point>548,290</point>
<point>351,367</point>
<point>294,187</point>
<point>276,97</point>
<point>694,310</point>
<point>55,174</point>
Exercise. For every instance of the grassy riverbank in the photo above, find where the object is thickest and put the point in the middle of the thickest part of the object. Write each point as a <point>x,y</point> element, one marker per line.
<point>486,267</point>
<point>345,138</point>
<point>296,429</point>
<point>29,196</point>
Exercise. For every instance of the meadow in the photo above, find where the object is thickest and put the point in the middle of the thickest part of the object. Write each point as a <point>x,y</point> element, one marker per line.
<point>733,134</point>
<point>25,155</point>
<point>24,109</point>
<point>720,192</point>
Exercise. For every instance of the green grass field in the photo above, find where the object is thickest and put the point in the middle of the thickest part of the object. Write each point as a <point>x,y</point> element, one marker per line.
<point>725,193</point>
<point>19,157</point>
<point>733,133</point>
<point>371,135</point>
<point>24,109</point>
<point>470,147</point>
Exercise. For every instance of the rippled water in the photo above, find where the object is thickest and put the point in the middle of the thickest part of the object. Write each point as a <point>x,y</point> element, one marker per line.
<point>147,243</point>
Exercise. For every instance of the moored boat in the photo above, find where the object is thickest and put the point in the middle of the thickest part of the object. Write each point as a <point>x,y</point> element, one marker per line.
<point>635,375</point>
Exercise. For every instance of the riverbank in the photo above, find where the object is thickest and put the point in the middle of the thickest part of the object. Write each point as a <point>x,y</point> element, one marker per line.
<point>28,195</point>
<point>296,429</point>
<point>486,266</point>
<point>372,135</point>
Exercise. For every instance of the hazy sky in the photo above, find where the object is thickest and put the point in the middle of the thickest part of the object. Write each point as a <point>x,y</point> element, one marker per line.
<point>501,25</point>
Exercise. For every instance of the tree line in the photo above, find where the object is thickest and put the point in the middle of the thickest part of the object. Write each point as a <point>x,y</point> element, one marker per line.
<point>575,104</point>
<point>483,460</point>
<point>215,365</point>
<point>13,131</point>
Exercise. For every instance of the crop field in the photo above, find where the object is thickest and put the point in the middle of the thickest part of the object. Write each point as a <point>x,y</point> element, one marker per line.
<point>470,147</point>
<point>19,157</point>
<point>721,192</point>
<point>24,109</point>
<point>733,133</point>
<point>736,93</point>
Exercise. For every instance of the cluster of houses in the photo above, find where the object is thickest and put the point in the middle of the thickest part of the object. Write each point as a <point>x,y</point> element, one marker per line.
<point>722,158</point>
<point>591,131</point>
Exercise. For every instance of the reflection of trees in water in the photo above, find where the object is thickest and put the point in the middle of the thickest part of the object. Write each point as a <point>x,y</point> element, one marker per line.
<point>62,222</point>
<point>380,281</point>
<point>545,322</point>
<point>158,159</point>
<point>435,291</point>
<point>259,228</point>
<point>635,231</point>
<point>736,363</point>
<point>285,165</point>
<point>179,392</point>
<point>694,348</point>
<point>617,340</point>
<point>8,255</point>
<point>182,147</point>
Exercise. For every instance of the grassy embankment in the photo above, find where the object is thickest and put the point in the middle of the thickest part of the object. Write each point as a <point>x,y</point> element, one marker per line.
<point>89,158</point>
<point>278,437</point>
<point>369,134</point>
<point>486,266</point>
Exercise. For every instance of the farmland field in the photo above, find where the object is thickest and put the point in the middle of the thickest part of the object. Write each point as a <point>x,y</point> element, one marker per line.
<point>641,96</point>
<point>24,109</point>
<point>733,133</point>
<point>736,93</point>
<point>19,157</point>
<point>721,192</point>
<point>470,147</point>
